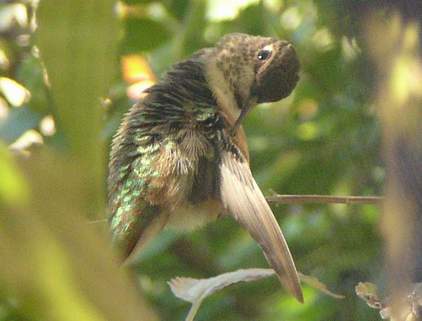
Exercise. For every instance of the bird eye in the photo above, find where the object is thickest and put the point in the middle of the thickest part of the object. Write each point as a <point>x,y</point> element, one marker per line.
<point>264,54</point>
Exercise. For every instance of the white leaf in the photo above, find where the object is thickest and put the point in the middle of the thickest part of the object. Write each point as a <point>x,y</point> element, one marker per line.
<point>196,290</point>
<point>190,290</point>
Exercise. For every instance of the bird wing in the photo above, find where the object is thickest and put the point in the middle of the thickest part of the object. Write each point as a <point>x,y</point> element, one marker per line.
<point>133,219</point>
<point>134,216</point>
<point>151,174</point>
<point>242,198</point>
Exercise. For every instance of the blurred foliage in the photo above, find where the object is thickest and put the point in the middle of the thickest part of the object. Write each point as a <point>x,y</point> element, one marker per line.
<point>400,102</point>
<point>324,139</point>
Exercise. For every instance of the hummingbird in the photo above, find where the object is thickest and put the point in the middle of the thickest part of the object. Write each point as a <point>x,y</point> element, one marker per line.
<point>180,156</point>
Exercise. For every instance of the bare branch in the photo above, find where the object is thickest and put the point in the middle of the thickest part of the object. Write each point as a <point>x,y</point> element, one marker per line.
<point>324,199</point>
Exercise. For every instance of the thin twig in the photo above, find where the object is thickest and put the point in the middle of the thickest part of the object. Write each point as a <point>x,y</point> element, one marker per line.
<point>324,199</point>
<point>302,199</point>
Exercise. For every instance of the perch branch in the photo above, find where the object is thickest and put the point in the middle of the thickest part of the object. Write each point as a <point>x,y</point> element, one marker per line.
<point>302,199</point>
<point>324,199</point>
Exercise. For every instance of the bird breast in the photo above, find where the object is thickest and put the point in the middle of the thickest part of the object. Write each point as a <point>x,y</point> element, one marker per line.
<point>192,216</point>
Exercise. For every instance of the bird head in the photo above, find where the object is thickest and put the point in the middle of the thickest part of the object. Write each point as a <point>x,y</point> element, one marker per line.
<point>245,70</point>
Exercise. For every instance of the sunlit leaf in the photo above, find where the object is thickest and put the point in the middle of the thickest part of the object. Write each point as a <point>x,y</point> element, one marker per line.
<point>226,10</point>
<point>13,14</point>
<point>47,126</point>
<point>27,140</point>
<point>291,18</point>
<point>138,74</point>
<point>136,68</point>
<point>14,92</point>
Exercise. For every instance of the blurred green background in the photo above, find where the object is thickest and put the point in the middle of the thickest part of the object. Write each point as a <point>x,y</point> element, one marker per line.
<point>56,263</point>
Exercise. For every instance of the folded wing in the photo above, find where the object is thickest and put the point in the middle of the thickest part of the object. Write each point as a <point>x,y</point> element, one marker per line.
<point>243,199</point>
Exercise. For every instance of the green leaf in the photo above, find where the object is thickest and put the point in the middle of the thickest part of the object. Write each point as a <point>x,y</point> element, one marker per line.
<point>177,8</point>
<point>143,34</point>
<point>134,2</point>
<point>77,44</point>
<point>13,187</point>
<point>191,37</point>
<point>31,75</point>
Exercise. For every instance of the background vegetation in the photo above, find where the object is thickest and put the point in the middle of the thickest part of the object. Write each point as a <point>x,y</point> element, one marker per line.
<point>55,132</point>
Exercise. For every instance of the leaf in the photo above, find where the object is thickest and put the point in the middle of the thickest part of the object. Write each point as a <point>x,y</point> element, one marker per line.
<point>50,256</point>
<point>220,10</point>
<point>77,44</point>
<point>177,8</point>
<point>191,36</point>
<point>137,72</point>
<point>191,290</point>
<point>135,2</point>
<point>142,34</point>
<point>12,16</point>
<point>313,282</point>
<point>368,292</point>
<point>32,75</point>
<point>13,187</point>
<point>408,307</point>
<point>15,93</point>
<point>136,68</point>
<point>196,290</point>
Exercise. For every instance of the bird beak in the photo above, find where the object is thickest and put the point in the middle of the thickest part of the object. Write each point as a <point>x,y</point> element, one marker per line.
<point>244,111</point>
